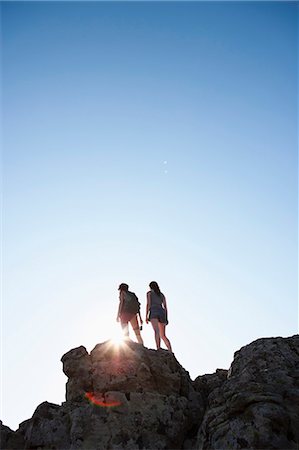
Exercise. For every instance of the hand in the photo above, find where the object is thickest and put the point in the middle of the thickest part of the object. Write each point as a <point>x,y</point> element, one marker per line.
<point>147,320</point>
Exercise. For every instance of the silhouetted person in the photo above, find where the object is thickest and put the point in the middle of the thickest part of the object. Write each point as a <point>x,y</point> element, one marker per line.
<point>156,313</point>
<point>128,311</point>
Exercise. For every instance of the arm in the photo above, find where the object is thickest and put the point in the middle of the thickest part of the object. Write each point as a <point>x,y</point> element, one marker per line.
<point>165,307</point>
<point>148,305</point>
<point>140,318</point>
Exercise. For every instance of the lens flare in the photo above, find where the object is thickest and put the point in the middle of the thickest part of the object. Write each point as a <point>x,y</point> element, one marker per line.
<point>117,341</point>
<point>99,400</point>
<point>118,338</point>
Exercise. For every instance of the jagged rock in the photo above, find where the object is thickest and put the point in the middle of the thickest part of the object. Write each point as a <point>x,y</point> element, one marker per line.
<point>257,407</point>
<point>131,398</point>
<point>10,439</point>
<point>78,369</point>
<point>126,397</point>
<point>205,384</point>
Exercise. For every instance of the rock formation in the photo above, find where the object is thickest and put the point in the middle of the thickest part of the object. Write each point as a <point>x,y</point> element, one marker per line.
<point>257,406</point>
<point>130,397</point>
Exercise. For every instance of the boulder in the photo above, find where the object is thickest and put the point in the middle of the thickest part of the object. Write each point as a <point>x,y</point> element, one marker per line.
<point>118,397</point>
<point>257,406</point>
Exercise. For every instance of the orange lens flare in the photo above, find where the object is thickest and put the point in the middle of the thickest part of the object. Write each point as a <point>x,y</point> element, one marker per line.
<point>100,401</point>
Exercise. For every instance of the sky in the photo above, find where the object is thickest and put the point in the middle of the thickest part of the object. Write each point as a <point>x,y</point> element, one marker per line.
<point>145,141</point>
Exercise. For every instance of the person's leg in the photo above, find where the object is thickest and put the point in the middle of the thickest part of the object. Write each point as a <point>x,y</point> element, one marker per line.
<point>163,336</point>
<point>135,326</point>
<point>125,328</point>
<point>155,326</point>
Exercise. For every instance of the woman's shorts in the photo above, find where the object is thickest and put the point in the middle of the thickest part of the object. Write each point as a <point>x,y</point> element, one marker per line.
<point>160,315</point>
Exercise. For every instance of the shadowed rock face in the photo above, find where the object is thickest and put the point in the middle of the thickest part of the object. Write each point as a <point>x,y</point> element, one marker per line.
<point>135,398</point>
<point>128,397</point>
<point>257,407</point>
<point>130,367</point>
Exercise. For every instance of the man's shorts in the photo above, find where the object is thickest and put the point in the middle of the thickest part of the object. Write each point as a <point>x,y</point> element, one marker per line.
<point>126,317</point>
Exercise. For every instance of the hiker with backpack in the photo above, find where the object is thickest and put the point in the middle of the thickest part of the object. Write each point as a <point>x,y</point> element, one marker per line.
<point>129,311</point>
<point>156,313</point>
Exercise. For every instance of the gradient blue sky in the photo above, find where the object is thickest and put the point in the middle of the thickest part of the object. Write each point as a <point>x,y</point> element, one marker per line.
<point>145,141</point>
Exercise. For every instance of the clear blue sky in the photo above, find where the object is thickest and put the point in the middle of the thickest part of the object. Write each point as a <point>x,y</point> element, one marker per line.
<point>145,141</point>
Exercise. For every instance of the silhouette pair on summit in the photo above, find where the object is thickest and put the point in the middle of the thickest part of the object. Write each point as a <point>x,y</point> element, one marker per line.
<point>156,313</point>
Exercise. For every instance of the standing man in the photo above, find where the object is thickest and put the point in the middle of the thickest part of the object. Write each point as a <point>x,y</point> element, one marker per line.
<point>128,311</point>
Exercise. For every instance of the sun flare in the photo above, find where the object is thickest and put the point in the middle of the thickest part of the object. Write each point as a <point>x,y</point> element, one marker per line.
<point>118,338</point>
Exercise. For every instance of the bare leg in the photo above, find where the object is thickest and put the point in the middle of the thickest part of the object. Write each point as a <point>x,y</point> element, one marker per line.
<point>125,328</point>
<point>163,336</point>
<point>135,326</point>
<point>155,326</point>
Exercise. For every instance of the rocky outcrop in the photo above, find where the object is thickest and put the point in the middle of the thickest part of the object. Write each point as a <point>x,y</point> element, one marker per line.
<point>130,397</point>
<point>257,407</point>
<point>124,397</point>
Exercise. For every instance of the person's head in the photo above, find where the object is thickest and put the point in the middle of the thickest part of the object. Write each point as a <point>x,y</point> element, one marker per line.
<point>155,287</point>
<point>123,287</point>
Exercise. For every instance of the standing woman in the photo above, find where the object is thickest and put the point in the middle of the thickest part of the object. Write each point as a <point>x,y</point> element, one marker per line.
<point>126,315</point>
<point>156,313</point>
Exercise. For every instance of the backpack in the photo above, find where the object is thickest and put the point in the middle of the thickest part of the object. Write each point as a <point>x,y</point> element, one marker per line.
<point>131,303</point>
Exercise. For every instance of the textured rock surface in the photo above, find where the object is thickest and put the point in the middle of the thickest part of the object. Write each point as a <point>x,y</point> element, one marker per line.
<point>117,398</point>
<point>136,398</point>
<point>257,407</point>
